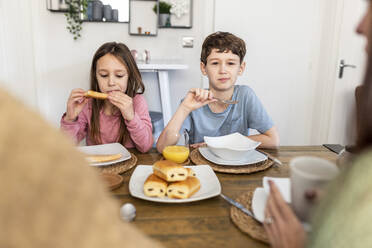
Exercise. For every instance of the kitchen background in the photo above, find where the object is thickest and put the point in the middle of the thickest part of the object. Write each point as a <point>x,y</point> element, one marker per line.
<point>293,52</point>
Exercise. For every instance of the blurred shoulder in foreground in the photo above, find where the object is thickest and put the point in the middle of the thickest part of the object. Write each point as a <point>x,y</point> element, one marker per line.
<point>50,197</point>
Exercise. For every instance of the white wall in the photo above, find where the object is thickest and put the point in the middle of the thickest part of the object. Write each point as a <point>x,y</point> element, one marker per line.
<point>17,73</point>
<point>62,63</point>
<point>282,39</point>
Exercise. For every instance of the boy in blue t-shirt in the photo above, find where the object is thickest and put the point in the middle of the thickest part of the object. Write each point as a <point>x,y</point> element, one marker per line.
<point>203,115</point>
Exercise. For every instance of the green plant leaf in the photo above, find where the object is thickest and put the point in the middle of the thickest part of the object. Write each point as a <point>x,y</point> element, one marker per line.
<point>164,8</point>
<point>74,24</point>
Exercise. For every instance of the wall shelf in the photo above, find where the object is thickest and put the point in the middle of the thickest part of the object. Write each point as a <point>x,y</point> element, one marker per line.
<point>58,10</point>
<point>176,27</point>
<point>140,18</point>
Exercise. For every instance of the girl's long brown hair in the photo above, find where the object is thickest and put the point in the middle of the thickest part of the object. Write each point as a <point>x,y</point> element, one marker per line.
<point>364,105</point>
<point>135,86</point>
<point>364,108</point>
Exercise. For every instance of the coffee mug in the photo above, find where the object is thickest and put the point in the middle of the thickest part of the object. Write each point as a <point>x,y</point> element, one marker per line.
<point>309,174</point>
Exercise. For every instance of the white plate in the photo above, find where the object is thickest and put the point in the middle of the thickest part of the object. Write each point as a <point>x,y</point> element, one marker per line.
<point>112,148</point>
<point>235,141</point>
<point>231,147</point>
<point>250,157</point>
<point>209,184</point>
<point>259,204</point>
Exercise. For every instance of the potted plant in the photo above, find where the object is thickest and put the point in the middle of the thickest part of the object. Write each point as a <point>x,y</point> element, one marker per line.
<point>73,16</point>
<point>164,13</point>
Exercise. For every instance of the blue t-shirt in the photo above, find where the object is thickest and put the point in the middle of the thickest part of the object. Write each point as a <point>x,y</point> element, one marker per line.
<point>247,113</point>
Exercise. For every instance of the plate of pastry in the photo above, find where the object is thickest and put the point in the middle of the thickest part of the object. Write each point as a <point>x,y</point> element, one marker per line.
<point>169,182</point>
<point>250,157</point>
<point>106,154</point>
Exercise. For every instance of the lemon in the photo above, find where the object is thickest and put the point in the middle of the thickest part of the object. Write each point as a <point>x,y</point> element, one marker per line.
<point>177,154</point>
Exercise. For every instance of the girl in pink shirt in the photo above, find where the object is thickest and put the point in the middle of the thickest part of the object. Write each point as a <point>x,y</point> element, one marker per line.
<point>123,117</point>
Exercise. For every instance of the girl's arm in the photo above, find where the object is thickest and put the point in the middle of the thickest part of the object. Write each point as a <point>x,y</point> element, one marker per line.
<point>140,127</point>
<point>76,129</point>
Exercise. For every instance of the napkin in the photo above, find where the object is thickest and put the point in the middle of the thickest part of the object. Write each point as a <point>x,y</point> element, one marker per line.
<point>283,184</point>
<point>260,195</point>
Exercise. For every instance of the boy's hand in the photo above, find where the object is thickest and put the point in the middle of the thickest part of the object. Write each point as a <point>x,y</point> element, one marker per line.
<point>197,98</point>
<point>75,104</point>
<point>124,103</point>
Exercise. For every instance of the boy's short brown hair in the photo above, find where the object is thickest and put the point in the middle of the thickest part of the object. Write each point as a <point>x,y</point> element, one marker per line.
<point>224,42</point>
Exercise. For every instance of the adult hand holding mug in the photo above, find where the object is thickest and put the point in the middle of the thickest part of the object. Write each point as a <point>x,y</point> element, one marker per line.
<point>309,176</point>
<point>282,223</point>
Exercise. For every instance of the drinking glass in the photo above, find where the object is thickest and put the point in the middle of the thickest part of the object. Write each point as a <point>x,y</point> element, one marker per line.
<point>180,152</point>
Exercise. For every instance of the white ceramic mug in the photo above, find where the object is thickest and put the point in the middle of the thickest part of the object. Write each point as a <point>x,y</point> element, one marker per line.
<point>308,174</point>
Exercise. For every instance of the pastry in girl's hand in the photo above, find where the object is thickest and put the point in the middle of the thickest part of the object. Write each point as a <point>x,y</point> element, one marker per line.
<point>155,186</point>
<point>184,189</point>
<point>95,94</point>
<point>170,171</point>
<point>102,158</point>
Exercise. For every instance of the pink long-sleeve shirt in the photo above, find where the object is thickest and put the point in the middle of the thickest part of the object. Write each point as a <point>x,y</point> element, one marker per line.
<point>140,128</point>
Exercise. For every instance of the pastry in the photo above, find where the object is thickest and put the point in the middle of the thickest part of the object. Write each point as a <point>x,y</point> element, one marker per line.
<point>184,189</point>
<point>170,171</point>
<point>95,94</point>
<point>102,158</point>
<point>155,186</point>
<point>191,172</point>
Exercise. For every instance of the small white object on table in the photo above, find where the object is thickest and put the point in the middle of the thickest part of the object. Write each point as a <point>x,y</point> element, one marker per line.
<point>128,212</point>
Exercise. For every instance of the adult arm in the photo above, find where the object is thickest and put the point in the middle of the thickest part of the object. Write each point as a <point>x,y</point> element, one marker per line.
<point>283,228</point>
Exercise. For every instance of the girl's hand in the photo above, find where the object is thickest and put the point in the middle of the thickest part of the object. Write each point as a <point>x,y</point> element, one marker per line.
<point>283,228</point>
<point>197,98</point>
<point>75,104</point>
<point>123,102</point>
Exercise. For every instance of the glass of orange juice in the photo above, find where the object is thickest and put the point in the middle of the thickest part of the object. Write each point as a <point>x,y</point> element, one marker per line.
<point>180,152</point>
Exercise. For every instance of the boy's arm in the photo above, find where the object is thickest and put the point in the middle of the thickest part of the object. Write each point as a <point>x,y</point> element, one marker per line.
<point>268,139</point>
<point>194,99</point>
<point>258,119</point>
<point>170,134</point>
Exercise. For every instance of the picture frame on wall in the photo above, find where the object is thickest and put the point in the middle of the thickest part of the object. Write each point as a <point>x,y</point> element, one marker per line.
<point>180,14</point>
<point>143,16</point>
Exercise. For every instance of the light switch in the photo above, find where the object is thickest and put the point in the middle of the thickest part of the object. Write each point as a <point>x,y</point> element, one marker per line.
<point>188,42</point>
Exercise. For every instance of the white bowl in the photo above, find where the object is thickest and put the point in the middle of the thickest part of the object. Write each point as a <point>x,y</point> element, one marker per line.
<point>231,147</point>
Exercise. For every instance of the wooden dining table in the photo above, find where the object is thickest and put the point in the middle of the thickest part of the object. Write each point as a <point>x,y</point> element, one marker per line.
<point>206,223</point>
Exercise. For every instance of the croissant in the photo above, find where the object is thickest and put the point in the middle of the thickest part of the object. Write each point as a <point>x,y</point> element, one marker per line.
<point>95,94</point>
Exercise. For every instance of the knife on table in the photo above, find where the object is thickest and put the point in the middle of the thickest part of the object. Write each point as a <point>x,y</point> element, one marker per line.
<point>240,206</point>
<point>270,157</point>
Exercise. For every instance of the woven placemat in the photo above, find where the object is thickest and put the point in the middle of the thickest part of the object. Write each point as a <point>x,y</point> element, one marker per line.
<point>187,162</point>
<point>120,167</point>
<point>197,158</point>
<point>245,223</point>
